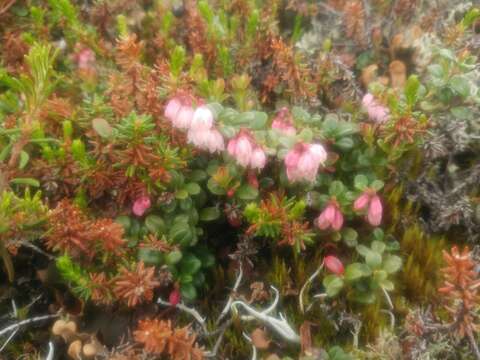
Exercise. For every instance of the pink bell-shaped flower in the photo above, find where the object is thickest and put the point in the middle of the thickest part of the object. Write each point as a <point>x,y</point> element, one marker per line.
<point>141,205</point>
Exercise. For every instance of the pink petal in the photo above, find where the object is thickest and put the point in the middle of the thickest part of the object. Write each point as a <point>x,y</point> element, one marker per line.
<point>183,119</point>
<point>259,159</point>
<point>367,100</point>
<point>232,146</point>
<point>172,108</point>
<point>318,152</point>
<point>333,264</point>
<point>375,211</point>
<point>338,220</point>
<point>202,118</point>
<point>361,202</point>
<point>322,222</point>
<point>243,151</point>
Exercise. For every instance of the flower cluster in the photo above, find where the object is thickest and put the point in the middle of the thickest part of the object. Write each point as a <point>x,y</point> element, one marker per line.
<point>199,123</point>
<point>303,161</point>
<point>246,152</point>
<point>370,201</point>
<point>330,217</point>
<point>376,112</point>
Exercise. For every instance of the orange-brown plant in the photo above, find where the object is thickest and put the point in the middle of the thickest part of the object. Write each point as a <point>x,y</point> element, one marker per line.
<point>159,337</point>
<point>461,293</point>
<point>136,286</point>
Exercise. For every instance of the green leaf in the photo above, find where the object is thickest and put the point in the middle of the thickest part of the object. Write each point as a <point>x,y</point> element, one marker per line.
<point>150,257</point>
<point>461,85</point>
<point>181,194</point>
<point>350,237</point>
<point>378,246</point>
<point>173,257</point>
<point>154,224</point>
<point>209,213</point>
<point>214,188</point>
<point>392,264</point>
<point>333,284</point>
<point>25,181</point>
<point>373,259</point>
<point>336,188</point>
<point>102,127</point>
<point>462,112</point>
<point>377,185</point>
<point>193,188</point>
<point>345,143</point>
<point>259,121</point>
<point>188,291</point>
<point>356,271</point>
<point>360,182</point>
<point>387,285</point>
<point>411,90</point>
<point>190,264</point>
<point>24,157</point>
<point>197,175</point>
<point>181,233</point>
<point>247,192</point>
<point>125,221</point>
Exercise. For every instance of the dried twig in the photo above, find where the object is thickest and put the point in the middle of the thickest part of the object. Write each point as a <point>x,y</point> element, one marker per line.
<point>26,322</point>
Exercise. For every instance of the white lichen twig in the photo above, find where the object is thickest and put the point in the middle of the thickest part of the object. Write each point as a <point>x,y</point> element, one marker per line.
<point>226,309</point>
<point>310,279</point>
<point>280,326</point>
<point>254,349</point>
<point>26,322</point>
<point>191,311</point>
<point>51,351</point>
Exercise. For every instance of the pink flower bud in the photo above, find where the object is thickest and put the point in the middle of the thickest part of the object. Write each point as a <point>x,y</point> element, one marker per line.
<point>86,59</point>
<point>375,211</point>
<point>174,297</point>
<point>361,202</point>
<point>259,158</point>
<point>331,217</point>
<point>172,108</point>
<point>334,265</point>
<point>141,205</point>
<point>202,119</point>
<point>327,217</point>
<point>376,112</point>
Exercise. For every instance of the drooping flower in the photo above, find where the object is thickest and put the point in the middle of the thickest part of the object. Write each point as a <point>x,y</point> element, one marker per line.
<point>303,161</point>
<point>141,205</point>
<point>246,151</point>
<point>334,265</point>
<point>375,211</point>
<point>331,217</point>
<point>259,158</point>
<point>376,112</point>
<point>202,119</point>
<point>85,59</point>
<point>370,201</point>
<point>206,139</point>
<point>283,123</point>
<point>179,112</point>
